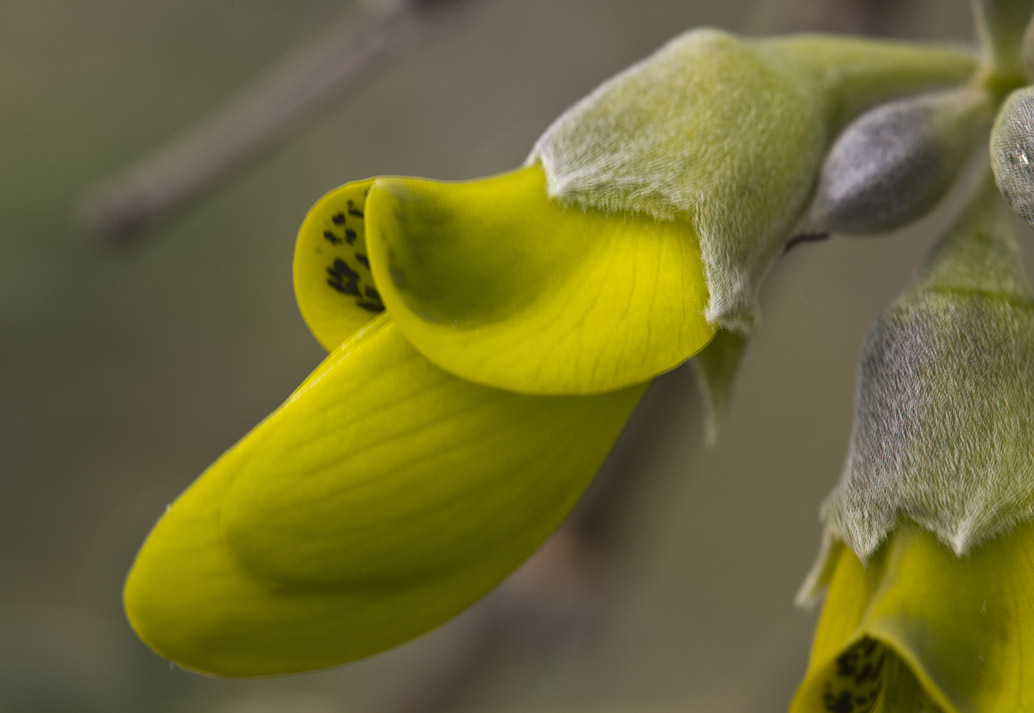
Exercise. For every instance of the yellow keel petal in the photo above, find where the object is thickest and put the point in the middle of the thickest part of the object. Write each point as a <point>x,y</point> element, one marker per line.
<point>383,497</point>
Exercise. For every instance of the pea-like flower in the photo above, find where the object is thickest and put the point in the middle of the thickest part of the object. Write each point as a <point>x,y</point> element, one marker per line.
<point>488,340</point>
<point>929,534</point>
<point>919,628</point>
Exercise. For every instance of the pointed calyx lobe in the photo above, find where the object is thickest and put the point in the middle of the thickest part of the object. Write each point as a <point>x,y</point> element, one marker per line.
<point>945,406</point>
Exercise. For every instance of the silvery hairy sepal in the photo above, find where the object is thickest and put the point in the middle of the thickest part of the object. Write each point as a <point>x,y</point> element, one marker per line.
<point>945,404</point>
<point>895,162</point>
<point>1012,152</point>
<point>726,135</point>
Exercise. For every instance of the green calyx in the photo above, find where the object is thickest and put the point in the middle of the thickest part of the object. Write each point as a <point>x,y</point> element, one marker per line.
<point>668,138</point>
<point>944,412</point>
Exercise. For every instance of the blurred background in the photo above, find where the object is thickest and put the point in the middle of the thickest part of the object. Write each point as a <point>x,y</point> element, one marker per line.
<point>125,372</point>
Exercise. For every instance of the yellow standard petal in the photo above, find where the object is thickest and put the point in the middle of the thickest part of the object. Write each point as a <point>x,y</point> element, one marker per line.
<point>332,281</point>
<point>499,284</point>
<point>382,498</point>
<point>919,624</point>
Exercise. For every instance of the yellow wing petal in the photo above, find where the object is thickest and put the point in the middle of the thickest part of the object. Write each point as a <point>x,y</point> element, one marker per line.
<point>495,282</point>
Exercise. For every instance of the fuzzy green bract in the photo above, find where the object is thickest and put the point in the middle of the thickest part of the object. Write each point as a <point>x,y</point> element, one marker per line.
<point>946,397</point>
<point>728,135</point>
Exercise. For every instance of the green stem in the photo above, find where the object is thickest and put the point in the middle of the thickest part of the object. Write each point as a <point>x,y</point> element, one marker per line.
<point>854,74</point>
<point>1000,25</point>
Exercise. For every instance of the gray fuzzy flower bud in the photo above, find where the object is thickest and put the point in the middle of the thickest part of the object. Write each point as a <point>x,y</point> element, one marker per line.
<point>895,162</point>
<point>1012,152</point>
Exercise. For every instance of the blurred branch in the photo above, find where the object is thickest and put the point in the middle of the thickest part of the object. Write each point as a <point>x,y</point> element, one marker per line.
<point>119,209</point>
<point>437,678</point>
<point>869,17</point>
<point>549,599</point>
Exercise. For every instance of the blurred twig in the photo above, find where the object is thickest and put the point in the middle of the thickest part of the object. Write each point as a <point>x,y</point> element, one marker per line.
<point>549,599</point>
<point>119,209</point>
<point>869,17</point>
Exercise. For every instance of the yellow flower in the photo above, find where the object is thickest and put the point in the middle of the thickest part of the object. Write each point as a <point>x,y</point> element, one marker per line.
<point>387,494</point>
<point>929,554</point>
<point>918,628</point>
<point>488,340</point>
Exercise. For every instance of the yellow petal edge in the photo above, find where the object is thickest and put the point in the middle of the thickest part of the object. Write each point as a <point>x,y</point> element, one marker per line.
<point>499,284</point>
<point>920,629</point>
<point>332,282</point>
<point>381,499</point>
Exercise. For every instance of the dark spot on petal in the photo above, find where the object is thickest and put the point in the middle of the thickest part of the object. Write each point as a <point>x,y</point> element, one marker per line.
<point>847,662</point>
<point>343,278</point>
<point>841,703</point>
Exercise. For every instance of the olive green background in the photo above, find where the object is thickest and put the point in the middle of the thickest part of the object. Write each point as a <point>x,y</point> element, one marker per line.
<point>123,374</point>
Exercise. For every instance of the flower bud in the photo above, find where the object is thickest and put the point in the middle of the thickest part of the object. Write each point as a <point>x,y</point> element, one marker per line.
<point>1012,152</point>
<point>895,162</point>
